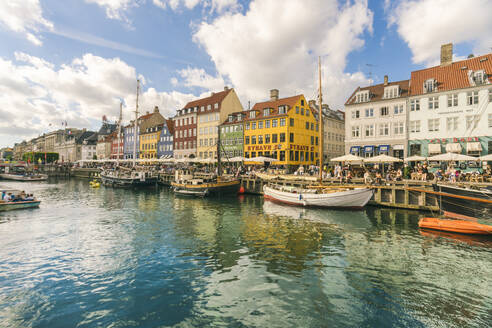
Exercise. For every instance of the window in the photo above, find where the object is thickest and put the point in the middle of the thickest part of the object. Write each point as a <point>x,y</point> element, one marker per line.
<point>490,95</point>
<point>282,109</point>
<point>398,109</point>
<point>355,113</point>
<point>307,112</point>
<point>399,128</point>
<point>216,106</point>
<point>307,125</point>
<point>472,97</point>
<point>312,126</point>
<point>369,131</point>
<point>362,96</point>
<point>490,120</point>
<point>297,109</point>
<point>202,108</point>
<point>384,129</point>
<point>302,102</point>
<point>274,138</point>
<point>414,105</point>
<point>479,77</point>
<point>433,102</point>
<point>209,107</point>
<point>414,126</point>
<point>302,110</point>
<point>312,140</point>
<point>274,123</point>
<point>472,121</point>
<point>246,140</point>
<point>260,139</point>
<point>252,114</point>
<point>453,100</point>
<point>282,122</point>
<point>433,125</point>
<point>384,111</point>
<point>253,126</point>
<point>260,125</point>
<point>452,123</point>
<point>267,138</point>
<point>291,137</point>
<point>253,140</point>
<point>291,122</point>
<point>266,111</point>
<point>369,112</point>
<point>282,137</point>
<point>246,126</point>
<point>267,124</point>
<point>430,85</point>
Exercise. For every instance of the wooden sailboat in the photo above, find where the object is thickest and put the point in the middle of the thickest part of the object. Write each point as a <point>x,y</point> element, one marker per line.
<point>319,195</point>
<point>188,185</point>
<point>122,176</point>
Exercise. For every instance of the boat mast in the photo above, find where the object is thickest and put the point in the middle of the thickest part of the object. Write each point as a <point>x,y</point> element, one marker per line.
<point>119,134</point>
<point>320,123</point>
<point>135,127</point>
<point>219,166</point>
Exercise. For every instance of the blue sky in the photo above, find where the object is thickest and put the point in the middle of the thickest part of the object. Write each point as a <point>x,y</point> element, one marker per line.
<point>75,60</point>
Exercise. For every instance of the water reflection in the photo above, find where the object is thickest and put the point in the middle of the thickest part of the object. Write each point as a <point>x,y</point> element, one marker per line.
<point>109,257</point>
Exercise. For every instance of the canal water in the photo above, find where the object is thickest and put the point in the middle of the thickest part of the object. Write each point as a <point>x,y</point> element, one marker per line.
<point>146,258</point>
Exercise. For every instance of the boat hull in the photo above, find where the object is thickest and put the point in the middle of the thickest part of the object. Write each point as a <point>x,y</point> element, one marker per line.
<point>18,205</point>
<point>458,226</point>
<point>221,188</point>
<point>112,181</point>
<point>350,199</point>
<point>461,203</point>
<point>17,177</point>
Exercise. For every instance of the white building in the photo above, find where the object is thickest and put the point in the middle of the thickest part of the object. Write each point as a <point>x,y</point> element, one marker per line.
<point>375,120</point>
<point>450,107</point>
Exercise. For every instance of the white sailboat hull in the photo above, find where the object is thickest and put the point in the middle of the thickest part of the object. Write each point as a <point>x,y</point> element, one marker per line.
<point>355,198</point>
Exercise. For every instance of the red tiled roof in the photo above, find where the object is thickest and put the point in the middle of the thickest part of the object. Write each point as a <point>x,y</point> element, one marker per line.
<point>258,107</point>
<point>377,91</point>
<point>215,98</point>
<point>451,77</point>
<point>234,121</point>
<point>170,126</point>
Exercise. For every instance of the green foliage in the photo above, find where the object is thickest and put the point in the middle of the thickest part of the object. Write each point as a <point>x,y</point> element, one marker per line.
<point>35,157</point>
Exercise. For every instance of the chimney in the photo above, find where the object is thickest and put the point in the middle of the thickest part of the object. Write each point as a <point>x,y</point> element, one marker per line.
<point>226,88</point>
<point>274,95</point>
<point>386,80</point>
<point>156,109</point>
<point>446,54</point>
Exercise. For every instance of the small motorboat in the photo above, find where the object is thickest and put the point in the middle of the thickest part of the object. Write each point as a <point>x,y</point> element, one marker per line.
<point>458,226</point>
<point>18,203</point>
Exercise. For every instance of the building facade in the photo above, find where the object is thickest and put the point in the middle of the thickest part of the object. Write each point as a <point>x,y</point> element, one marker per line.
<point>450,107</point>
<point>184,137</point>
<point>165,142</point>
<point>376,119</point>
<point>117,145</point>
<point>232,135</point>
<point>129,139</point>
<point>212,111</point>
<point>150,129</point>
<point>284,129</point>
<point>103,146</point>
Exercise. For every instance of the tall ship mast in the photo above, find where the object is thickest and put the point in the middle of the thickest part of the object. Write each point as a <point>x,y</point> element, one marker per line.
<point>320,122</point>
<point>135,127</point>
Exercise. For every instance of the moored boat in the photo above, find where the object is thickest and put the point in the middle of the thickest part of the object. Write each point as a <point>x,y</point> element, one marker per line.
<point>339,197</point>
<point>18,203</point>
<point>24,177</point>
<point>206,187</point>
<point>132,178</point>
<point>464,203</point>
<point>459,226</point>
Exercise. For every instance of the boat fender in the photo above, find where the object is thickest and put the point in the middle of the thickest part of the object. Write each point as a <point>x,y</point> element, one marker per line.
<point>300,196</point>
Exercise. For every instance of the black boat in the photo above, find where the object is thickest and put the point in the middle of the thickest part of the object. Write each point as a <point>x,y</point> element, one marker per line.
<point>122,178</point>
<point>464,203</point>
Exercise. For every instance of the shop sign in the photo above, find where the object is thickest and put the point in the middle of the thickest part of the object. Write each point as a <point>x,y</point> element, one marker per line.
<point>444,140</point>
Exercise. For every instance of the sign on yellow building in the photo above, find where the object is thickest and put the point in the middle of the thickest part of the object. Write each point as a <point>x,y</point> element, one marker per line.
<point>284,129</point>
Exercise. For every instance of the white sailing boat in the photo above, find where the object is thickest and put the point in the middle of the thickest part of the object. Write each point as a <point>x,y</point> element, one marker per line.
<point>319,195</point>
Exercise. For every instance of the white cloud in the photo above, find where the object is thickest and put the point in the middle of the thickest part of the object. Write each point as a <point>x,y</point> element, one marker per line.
<point>25,17</point>
<point>275,45</point>
<point>197,77</point>
<point>115,9</point>
<point>427,24</point>
<point>35,93</point>
<point>218,6</point>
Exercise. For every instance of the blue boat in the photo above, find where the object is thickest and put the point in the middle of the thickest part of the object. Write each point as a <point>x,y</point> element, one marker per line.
<point>17,204</point>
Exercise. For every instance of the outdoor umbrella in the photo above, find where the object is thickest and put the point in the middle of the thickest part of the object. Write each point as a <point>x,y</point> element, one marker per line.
<point>447,157</point>
<point>382,159</point>
<point>235,159</point>
<point>347,158</point>
<point>261,159</point>
<point>415,158</point>
<point>486,158</point>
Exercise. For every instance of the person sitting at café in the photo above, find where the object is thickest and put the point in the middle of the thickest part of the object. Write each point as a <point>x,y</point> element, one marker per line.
<point>378,177</point>
<point>399,175</point>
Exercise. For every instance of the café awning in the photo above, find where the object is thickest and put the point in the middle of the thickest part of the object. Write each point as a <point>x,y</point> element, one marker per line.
<point>354,149</point>
<point>368,149</point>
<point>383,148</point>
<point>434,148</point>
<point>473,147</point>
<point>453,148</point>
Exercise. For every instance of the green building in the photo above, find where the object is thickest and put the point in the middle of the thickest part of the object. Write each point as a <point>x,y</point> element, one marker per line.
<point>232,135</point>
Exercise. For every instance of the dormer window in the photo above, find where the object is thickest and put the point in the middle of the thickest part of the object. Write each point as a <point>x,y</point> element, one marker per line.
<point>391,92</point>
<point>209,107</point>
<point>479,77</point>
<point>430,85</point>
<point>216,106</point>
<point>202,109</point>
<point>266,111</point>
<point>240,117</point>
<point>362,96</point>
<point>231,118</point>
<point>282,109</point>
<point>252,114</point>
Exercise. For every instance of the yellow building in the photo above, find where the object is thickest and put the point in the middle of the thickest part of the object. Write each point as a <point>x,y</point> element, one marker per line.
<point>150,128</point>
<point>284,129</point>
<point>211,112</point>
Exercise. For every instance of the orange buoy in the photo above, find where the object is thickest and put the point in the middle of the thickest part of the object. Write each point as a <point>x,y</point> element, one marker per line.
<point>459,226</point>
<point>241,190</point>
